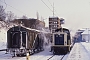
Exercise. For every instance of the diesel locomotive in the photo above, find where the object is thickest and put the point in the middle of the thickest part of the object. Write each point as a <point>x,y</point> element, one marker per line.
<point>21,40</point>
<point>61,41</point>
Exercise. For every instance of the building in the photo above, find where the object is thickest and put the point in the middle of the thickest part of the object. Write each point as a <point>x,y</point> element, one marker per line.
<point>86,35</point>
<point>31,23</point>
<point>54,23</point>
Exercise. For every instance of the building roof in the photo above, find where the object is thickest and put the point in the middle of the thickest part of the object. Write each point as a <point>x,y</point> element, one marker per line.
<point>86,32</point>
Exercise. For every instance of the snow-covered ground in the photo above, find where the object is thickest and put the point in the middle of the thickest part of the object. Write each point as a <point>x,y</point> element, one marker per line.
<point>45,55</point>
<point>87,46</point>
<point>3,38</point>
<point>80,51</point>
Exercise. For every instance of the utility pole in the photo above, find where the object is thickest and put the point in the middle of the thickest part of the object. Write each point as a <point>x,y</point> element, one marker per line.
<point>53,9</point>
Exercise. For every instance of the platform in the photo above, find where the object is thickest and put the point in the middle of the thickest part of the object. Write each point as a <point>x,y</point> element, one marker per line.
<point>78,52</point>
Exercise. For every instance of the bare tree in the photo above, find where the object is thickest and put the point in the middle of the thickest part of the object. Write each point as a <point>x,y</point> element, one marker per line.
<point>9,18</point>
<point>2,13</point>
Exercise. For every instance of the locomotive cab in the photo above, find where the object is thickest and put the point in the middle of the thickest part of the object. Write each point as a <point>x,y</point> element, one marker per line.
<point>60,38</point>
<point>61,42</point>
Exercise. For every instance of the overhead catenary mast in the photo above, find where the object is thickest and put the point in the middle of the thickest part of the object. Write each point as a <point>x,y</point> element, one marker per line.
<point>53,9</point>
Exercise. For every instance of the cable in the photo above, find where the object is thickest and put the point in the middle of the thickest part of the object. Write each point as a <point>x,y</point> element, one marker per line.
<point>13,7</point>
<point>46,4</point>
<point>50,3</point>
<point>53,7</point>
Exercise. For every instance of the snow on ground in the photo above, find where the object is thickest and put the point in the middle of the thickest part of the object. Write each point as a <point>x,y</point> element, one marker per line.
<point>46,55</point>
<point>3,36</point>
<point>79,52</point>
<point>87,46</point>
<point>4,56</point>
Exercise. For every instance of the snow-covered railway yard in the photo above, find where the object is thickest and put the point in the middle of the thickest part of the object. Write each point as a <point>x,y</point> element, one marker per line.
<point>80,51</point>
<point>4,56</point>
<point>58,57</point>
<point>46,55</point>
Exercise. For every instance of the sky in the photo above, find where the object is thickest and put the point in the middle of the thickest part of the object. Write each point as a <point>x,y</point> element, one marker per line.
<point>75,12</point>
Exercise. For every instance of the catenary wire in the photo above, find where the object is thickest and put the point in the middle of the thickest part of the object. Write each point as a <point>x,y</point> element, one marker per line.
<point>13,7</point>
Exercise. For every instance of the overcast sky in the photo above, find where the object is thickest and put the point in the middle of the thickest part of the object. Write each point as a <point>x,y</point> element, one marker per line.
<point>75,12</point>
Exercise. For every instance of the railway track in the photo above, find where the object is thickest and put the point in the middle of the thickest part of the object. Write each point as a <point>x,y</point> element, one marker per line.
<point>56,57</point>
<point>50,57</point>
<point>4,56</point>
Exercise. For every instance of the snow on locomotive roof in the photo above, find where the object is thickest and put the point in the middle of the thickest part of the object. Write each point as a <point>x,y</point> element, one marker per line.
<point>53,17</point>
